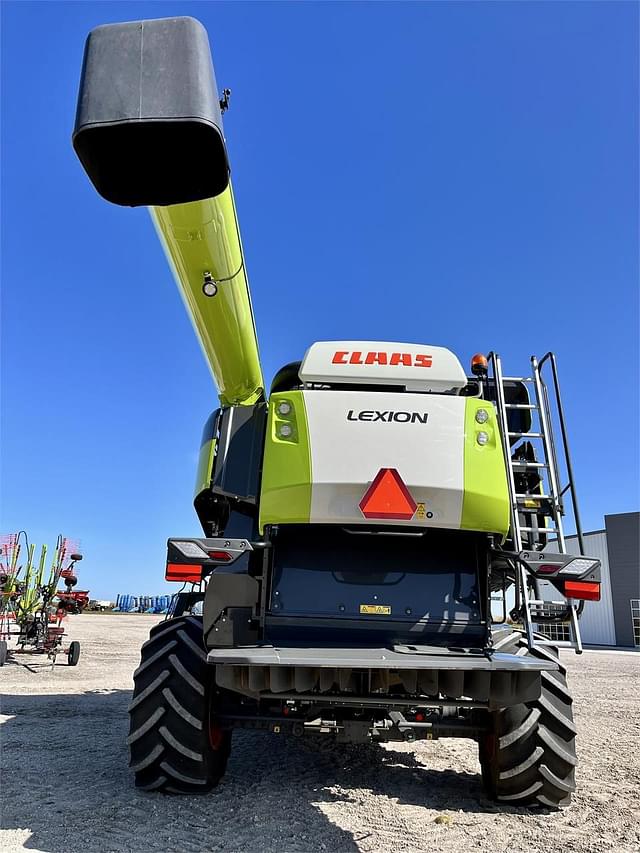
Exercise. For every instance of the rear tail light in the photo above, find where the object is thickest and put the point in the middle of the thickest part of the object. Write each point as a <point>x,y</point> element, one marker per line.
<point>220,556</point>
<point>587,590</point>
<point>192,560</point>
<point>546,570</point>
<point>183,572</point>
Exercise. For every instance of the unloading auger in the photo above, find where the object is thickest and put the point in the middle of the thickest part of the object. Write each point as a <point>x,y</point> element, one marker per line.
<point>359,519</point>
<point>152,136</point>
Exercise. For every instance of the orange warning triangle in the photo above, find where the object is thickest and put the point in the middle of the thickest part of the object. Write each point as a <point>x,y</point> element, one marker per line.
<point>388,497</point>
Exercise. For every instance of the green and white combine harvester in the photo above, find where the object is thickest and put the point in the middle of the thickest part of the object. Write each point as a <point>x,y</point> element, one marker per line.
<point>359,518</point>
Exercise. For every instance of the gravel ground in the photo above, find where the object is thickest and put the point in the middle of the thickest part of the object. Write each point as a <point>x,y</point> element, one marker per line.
<point>66,786</point>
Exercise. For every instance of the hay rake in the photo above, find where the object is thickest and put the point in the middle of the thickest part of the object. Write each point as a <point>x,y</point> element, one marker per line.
<point>32,609</point>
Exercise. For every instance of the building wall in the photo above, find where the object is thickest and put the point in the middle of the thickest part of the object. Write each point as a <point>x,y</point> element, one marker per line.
<point>597,625</point>
<point>609,622</point>
<point>623,544</point>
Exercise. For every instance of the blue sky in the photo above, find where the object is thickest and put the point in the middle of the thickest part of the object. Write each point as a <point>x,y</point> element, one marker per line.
<point>448,173</point>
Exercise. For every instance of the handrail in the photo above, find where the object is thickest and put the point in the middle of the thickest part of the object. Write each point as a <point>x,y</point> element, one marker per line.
<point>565,442</point>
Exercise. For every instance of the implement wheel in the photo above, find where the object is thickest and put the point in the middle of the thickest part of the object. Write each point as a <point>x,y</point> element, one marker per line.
<point>73,655</point>
<point>174,746</point>
<point>529,755</point>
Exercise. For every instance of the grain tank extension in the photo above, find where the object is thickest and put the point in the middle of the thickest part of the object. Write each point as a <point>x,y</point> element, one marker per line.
<point>376,524</point>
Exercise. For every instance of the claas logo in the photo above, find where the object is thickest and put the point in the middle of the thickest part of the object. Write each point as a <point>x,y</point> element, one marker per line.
<point>405,359</point>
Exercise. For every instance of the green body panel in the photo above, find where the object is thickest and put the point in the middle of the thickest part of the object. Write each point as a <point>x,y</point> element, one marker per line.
<point>203,237</point>
<point>485,505</point>
<point>207,454</point>
<point>205,466</point>
<point>286,472</point>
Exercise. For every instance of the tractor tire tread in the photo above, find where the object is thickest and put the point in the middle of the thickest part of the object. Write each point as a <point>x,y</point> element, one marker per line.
<point>169,736</point>
<point>529,758</point>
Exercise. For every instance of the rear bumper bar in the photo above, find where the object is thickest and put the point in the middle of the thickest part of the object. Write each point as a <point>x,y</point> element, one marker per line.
<point>495,679</point>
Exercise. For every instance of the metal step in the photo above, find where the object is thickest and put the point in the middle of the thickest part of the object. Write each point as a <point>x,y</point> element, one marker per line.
<point>561,644</point>
<point>525,435</point>
<point>539,529</point>
<point>517,463</point>
<point>520,406</point>
<point>534,497</point>
<point>517,379</point>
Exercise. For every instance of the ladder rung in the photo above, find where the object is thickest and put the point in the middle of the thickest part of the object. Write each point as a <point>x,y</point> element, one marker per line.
<point>534,497</point>
<point>520,464</point>
<point>520,406</point>
<point>517,379</point>
<point>525,435</point>
<point>561,644</point>
<point>539,529</point>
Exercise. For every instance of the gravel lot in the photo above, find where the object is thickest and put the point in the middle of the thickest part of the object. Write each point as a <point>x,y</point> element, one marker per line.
<point>66,786</point>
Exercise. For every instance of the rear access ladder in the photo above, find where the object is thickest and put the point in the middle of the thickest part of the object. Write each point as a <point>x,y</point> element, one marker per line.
<point>548,502</point>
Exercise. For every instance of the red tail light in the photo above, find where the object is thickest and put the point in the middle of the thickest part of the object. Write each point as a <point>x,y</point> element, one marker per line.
<point>588,590</point>
<point>547,569</point>
<point>220,556</point>
<point>184,573</point>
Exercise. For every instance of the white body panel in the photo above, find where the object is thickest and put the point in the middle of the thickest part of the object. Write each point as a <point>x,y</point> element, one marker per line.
<point>428,456</point>
<point>415,367</point>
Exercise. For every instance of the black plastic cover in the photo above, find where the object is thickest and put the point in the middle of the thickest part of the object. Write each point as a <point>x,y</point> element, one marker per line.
<point>148,127</point>
<point>236,471</point>
<point>426,586</point>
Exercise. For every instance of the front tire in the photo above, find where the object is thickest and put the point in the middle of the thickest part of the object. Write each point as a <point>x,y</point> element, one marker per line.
<point>174,746</point>
<point>529,756</point>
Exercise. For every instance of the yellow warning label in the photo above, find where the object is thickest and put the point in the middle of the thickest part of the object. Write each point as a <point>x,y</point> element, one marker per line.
<point>376,609</point>
<point>420,511</point>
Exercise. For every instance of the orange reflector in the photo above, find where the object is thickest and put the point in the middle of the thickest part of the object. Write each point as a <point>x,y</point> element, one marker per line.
<point>185,573</point>
<point>388,497</point>
<point>588,590</point>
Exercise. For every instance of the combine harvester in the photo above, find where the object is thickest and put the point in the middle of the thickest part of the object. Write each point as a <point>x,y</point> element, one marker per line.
<point>357,518</point>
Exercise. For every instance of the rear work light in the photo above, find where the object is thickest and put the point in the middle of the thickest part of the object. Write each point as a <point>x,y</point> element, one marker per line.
<point>183,572</point>
<point>587,590</point>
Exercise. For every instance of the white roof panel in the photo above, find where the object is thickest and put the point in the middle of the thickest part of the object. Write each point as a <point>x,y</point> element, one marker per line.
<point>414,367</point>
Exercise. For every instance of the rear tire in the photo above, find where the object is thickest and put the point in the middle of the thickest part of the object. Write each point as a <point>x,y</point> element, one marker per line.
<point>173,745</point>
<point>529,755</point>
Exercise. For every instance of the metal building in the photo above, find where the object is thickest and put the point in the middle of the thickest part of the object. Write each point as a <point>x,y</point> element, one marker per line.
<point>615,619</point>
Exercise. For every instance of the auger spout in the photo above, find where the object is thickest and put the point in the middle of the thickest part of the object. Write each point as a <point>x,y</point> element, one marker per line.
<point>149,133</point>
<point>203,248</point>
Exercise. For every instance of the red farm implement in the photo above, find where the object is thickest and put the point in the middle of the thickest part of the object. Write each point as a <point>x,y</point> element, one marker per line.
<point>32,609</point>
